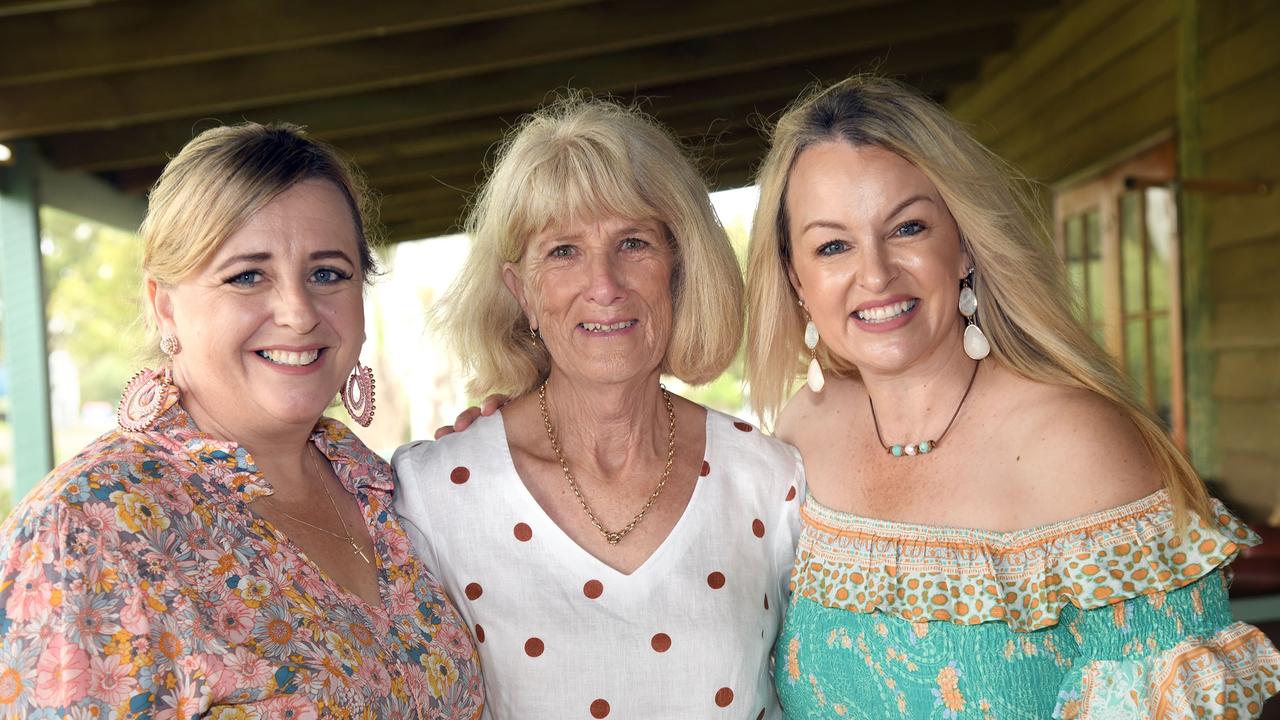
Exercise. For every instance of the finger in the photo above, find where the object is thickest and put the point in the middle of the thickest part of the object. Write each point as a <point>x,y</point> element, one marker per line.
<point>465,418</point>
<point>492,403</point>
<point>444,430</point>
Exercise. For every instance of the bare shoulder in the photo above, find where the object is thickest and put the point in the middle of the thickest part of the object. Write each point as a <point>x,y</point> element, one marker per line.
<point>1079,452</point>
<point>807,412</point>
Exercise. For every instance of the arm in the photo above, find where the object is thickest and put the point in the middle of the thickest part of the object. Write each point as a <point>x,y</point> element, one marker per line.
<point>468,416</point>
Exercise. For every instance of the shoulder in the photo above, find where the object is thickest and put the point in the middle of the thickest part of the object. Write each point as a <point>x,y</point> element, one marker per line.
<point>480,449</point>
<point>1078,452</point>
<point>738,441</point>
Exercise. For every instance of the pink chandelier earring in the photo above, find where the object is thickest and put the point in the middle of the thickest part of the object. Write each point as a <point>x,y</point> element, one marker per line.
<point>357,394</point>
<point>814,378</point>
<point>148,393</point>
<point>976,345</point>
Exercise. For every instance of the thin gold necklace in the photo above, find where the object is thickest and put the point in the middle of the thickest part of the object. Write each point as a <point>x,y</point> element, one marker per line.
<point>613,537</point>
<point>355,547</point>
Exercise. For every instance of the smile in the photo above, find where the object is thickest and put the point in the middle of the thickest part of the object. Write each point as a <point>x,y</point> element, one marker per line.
<point>606,328</point>
<point>885,313</point>
<point>286,357</point>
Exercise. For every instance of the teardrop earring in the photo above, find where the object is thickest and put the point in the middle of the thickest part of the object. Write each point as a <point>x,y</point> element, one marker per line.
<point>976,345</point>
<point>814,378</point>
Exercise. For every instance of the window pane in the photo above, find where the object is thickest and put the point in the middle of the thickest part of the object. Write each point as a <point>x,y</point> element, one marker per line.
<point>1162,346</point>
<point>1131,241</point>
<point>1093,245</point>
<point>1075,251</point>
<point>1135,357</point>
<point>1162,229</point>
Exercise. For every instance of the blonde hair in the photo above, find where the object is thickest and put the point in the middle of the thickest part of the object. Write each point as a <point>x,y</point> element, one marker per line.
<point>580,158</point>
<point>220,179</point>
<point>1024,305</point>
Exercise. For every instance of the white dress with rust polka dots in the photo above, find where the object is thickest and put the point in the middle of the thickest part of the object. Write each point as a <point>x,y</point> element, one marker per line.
<point>561,634</point>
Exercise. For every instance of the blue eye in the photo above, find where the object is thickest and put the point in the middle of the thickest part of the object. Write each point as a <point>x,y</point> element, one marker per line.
<point>632,243</point>
<point>561,251</point>
<point>245,279</point>
<point>909,228</point>
<point>833,247</point>
<point>329,275</point>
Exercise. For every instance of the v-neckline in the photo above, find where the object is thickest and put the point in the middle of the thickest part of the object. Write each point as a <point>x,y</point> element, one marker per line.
<point>563,538</point>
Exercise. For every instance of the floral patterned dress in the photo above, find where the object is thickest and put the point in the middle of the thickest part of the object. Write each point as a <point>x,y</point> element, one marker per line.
<point>135,582</point>
<point>1119,614</point>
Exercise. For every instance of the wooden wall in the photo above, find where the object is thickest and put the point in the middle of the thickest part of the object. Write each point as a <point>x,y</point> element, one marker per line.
<point>1092,82</point>
<point>1239,93</point>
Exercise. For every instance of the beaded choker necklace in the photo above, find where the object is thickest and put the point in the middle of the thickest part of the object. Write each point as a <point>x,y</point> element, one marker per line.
<point>925,446</point>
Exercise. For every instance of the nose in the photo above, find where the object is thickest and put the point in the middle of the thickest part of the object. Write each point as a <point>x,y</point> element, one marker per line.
<point>604,278</point>
<point>296,308</point>
<point>876,269</point>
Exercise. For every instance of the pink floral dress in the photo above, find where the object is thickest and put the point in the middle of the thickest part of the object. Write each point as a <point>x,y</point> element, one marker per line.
<point>135,582</point>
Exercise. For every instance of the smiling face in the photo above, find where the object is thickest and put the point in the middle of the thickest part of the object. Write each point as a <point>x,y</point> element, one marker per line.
<point>273,322</point>
<point>875,256</point>
<point>599,294</point>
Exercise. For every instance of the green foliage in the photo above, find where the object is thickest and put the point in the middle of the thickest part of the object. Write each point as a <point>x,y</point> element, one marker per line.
<point>92,283</point>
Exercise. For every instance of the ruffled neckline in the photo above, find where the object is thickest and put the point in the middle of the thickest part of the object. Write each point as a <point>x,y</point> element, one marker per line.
<point>1024,578</point>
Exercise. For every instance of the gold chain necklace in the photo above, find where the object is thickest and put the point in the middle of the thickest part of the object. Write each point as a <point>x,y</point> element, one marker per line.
<point>615,536</point>
<point>355,547</point>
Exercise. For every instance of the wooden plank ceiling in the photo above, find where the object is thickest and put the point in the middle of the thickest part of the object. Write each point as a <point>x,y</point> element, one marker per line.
<point>418,92</point>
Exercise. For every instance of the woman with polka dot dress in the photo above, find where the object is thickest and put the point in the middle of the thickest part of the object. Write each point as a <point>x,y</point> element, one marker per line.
<point>617,551</point>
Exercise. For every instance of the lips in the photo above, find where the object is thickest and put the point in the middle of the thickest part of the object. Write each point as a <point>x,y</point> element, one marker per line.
<point>291,358</point>
<point>886,313</point>
<point>594,327</point>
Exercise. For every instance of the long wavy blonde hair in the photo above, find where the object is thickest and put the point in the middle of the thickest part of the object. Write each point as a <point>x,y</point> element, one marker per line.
<point>583,157</point>
<point>1024,305</point>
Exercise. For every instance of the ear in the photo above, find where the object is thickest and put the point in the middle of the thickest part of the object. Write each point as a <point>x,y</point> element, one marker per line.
<point>511,278</point>
<point>966,261</point>
<point>161,302</point>
<point>795,281</point>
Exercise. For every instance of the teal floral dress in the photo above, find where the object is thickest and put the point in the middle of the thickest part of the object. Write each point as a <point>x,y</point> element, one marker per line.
<point>1119,614</point>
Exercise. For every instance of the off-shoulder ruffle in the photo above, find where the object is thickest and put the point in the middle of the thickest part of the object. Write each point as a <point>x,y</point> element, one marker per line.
<point>1023,578</point>
<point>1229,675</point>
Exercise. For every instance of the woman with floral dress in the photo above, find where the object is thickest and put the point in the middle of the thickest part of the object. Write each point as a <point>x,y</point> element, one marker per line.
<point>227,552</point>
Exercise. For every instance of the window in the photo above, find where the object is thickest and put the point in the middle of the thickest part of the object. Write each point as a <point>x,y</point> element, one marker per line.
<point>1117,233</point>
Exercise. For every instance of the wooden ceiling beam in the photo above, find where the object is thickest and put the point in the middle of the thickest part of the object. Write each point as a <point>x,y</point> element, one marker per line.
<point>86,39</point>
<point>685,76</point>
<point>381,63</point>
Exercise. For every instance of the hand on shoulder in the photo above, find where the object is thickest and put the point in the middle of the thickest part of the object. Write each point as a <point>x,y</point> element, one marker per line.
<point>1079,453</point>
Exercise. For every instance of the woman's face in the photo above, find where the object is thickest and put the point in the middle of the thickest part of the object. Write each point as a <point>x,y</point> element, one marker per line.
<point>875,256</point>
<point>599,293</point>
<point>272,324</point>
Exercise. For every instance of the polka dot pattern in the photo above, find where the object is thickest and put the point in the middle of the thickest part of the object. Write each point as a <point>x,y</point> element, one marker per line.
<point>593,589</point>
<point>724,697</point>
<point>706,469</point>
<point>534,647</point>
<point>757,528</point>
<point>716,580</point>
<point>479,633</point>
<point>660,642</point>
<point>473,591</point>
<point>744,427</point>
<point>791,493</point>
<point>523,532</point>
<point>459,475</point>
<point>600,708</point>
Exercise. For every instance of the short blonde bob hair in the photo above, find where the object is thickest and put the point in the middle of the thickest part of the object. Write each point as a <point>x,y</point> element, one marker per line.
<point>1024,306</point>
<point>576,159</point>
<point>220,179</point>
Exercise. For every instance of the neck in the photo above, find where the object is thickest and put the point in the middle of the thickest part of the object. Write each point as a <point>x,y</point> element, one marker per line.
<point>280,452</point>
<point>917,403</point>
<point>605,429</point>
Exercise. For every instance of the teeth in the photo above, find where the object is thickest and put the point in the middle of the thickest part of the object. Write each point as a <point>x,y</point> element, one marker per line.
<point>885,313</point>
<point>284,357</point>
<point>601,328</point>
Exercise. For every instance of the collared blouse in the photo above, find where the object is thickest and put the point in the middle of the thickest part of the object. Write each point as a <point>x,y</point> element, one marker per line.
<point>135,582</point>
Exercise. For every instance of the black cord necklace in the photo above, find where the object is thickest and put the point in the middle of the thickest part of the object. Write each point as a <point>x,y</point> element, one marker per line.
<point>926,446</point>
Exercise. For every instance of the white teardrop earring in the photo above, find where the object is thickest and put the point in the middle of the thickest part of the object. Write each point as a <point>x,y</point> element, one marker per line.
<point>814,378</point>
<point>976,345</point>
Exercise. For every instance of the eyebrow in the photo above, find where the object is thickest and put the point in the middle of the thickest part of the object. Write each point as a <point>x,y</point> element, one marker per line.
<point>261,257</point>
<point>833,225</point>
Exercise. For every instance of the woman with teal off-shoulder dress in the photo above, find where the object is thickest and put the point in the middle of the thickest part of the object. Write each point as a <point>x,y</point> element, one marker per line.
<point>995,527</point>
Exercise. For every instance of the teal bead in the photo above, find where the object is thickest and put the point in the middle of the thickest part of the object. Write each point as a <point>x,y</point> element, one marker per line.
<point>925,447</point>
<point>896,450</point>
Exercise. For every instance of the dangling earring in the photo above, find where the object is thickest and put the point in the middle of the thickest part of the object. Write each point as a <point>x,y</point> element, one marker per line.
<point>814,378</point>
<point>976,345</point>
<point>148,393</point>
<point>357,394</point>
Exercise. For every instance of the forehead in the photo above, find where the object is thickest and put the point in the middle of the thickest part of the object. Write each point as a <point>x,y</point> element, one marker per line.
<point>840,174</point>
<point>596,226</point>
<point>311,215</point>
